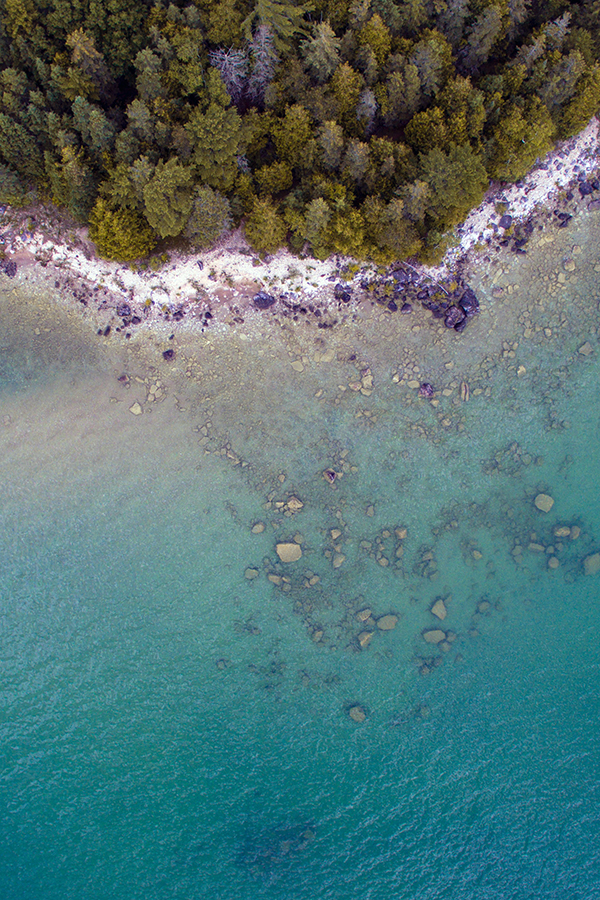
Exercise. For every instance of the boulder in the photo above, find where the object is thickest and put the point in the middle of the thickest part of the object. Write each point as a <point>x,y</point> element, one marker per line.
<point>469,303</point>
<point>168,355</point>
<point>454,317</point>
<point>439,609</point>
<point>387,623</point>
<point>591,564</point>
<point>357,714</point>
<point>434,636</point>
<point>263,300</point>
<point>505,221</point>
<point>544,502</point>
<point>288,551</point>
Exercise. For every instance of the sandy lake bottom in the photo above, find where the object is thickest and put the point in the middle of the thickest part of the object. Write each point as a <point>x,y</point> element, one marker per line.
<point>185,715</point>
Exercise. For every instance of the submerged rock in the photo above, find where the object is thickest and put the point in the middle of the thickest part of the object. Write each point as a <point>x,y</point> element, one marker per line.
<point>288,551</point>
<point>591,564</point>
<point>455,316</point>
<point>544,502</point>
<point>469,303</point>
<point>168,355</point>
<point>263,300</point>
<point>426,390</point>
<point>387,623</point>
<point>357,713</point>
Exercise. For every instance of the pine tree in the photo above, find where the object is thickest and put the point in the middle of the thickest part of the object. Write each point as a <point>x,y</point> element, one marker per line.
<point>168,198</point>
<point>518,140</point>
<point>283,19</point>
<point>120,234</point>
<point>322,52</point>
<point>331,145</point>
<point>215,136</point>
<point>264,227</point>
<point>292,135</point>
<point>86,58</point>
<point>210,218</point>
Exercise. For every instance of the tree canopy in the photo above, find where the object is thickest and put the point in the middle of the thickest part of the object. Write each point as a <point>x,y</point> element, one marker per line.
<point>367,127</point>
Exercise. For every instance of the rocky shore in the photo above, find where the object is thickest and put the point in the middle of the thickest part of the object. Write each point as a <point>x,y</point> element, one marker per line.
<point>230,285</point>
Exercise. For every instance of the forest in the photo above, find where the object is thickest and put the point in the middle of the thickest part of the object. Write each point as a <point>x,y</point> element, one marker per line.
<point>366,128</point>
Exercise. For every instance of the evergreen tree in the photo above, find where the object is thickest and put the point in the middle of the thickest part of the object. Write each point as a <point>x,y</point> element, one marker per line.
<point>457,181</point>
<point>403,95</point>
<point>284,20</point>
<point>483,34</point>
<point>347,85</point>
<point>120,234</point>
<point>210,218</point>
<point>215,136</point>
<point>92,64</point>
<point>168,198</point>
<point>375,35</point>
<point>322,52</point>
<point>275,178</point>
<point>583,106</point>
<point>19,150</point>
<point>72,182</point>
<point>331,145</point>
<point>518,140</point>
<point>317,219</point>
<point>292,136</point>
<point>264,227</point>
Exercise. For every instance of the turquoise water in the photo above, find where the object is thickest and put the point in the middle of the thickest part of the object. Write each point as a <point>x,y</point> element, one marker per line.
<point>172,727</point>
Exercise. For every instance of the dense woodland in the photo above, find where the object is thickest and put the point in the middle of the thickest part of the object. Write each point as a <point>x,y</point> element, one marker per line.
<point>366,128</point>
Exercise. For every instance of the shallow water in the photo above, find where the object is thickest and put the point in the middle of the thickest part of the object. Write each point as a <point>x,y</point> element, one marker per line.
<point>173,728</point>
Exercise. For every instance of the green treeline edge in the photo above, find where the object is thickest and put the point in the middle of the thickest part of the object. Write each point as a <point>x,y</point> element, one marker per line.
<point>367,128</point>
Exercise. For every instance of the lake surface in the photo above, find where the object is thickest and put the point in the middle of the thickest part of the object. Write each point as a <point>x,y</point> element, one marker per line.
<point>186,716</point>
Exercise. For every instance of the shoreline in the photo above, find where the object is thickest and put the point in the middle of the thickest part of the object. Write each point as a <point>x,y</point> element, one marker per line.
<point>215,290</point>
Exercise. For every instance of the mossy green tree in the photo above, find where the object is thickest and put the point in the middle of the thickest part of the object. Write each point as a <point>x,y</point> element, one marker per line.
<point>521,136</point>
<point>168,198</point>
<point>210,217</point>
<point>120,234</point>
<point>265,227</point>
<point>457,181</point>
<point>215,136</point>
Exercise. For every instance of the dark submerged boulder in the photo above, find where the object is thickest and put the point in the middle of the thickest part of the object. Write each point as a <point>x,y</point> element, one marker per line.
<point>454,317</point>
<point>168,354</point>
<point>263,300</point>
<point>469,303</point>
